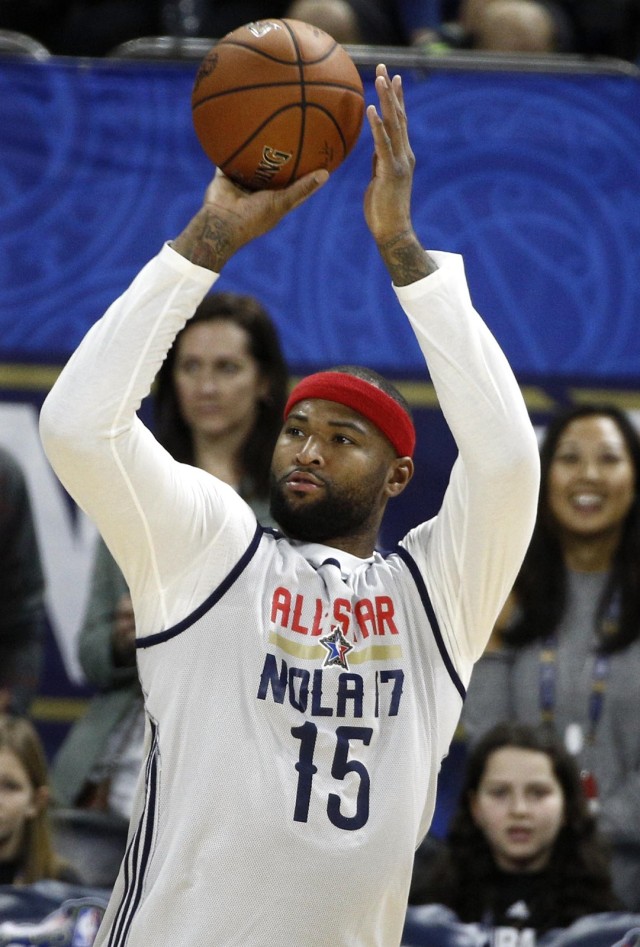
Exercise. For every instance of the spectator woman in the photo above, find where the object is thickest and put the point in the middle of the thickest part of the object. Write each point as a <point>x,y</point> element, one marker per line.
<point>567,646</point>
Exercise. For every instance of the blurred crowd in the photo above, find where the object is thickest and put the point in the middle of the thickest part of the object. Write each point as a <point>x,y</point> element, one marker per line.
<point>581,27</point>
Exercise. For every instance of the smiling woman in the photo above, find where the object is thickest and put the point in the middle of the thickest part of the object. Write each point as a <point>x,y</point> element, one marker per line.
<point>567,646</point>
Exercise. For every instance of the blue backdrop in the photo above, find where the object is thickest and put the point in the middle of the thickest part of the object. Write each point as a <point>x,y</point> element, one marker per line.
<point>534,178</point>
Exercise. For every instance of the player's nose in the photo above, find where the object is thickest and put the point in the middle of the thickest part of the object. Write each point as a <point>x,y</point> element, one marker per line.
<point>310,451</point>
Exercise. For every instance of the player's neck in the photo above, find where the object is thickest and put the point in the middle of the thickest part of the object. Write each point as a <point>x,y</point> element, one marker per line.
<point>360,546</point>
<point>362,549</point>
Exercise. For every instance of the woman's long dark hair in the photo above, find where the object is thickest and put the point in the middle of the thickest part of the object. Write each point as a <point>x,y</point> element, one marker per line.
<point>463,874</point>
<point>264,345</point>
<point>541,586</point>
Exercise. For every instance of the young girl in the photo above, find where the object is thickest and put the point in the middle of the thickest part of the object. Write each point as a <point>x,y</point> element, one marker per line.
<point>26,852</point>
<point>522,849</point>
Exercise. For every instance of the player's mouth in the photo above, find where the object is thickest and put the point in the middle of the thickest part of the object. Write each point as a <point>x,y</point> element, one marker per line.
<point>301,482</point>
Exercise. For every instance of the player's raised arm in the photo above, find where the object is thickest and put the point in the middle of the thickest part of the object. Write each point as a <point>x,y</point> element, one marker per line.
<point>471,551</point>
<point>387,202</point>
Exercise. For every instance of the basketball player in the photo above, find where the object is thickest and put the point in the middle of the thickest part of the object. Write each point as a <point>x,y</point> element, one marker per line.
<point>301,689</point>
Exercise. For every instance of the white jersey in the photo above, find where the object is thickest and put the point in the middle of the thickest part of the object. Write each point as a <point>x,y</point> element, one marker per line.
<point>299,699</point>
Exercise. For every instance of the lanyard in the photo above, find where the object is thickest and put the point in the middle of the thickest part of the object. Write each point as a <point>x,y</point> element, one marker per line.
<point>548,680</point>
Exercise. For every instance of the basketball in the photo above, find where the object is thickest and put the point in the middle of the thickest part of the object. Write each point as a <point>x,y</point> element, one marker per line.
<point>275,99</point>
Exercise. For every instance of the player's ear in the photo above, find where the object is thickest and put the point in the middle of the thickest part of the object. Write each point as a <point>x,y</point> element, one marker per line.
<point>400,473</point>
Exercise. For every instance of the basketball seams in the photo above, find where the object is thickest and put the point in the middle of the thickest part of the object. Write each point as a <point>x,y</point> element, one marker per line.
<point>333,120</point>
<point>296,45</point>
<point>257,131</point>
<point>276,59</point>
<point>285,108</point>
<point>237,44</point>
<point>299,60</point>
<point>278,85</point>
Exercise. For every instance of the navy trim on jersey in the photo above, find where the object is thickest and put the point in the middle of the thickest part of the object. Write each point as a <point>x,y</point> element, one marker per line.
<point>410,562</point>
<point>138,852</point>
<point>209,602</point>
<point>332,562</point>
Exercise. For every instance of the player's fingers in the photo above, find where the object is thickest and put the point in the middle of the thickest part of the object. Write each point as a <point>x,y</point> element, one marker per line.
<point>301,189</point>
<point>402,112</point>
<point>378,123</point>
<point>399,114</point>
<point>391,109</point>
<point>384,91</point>
<point>395,120</point>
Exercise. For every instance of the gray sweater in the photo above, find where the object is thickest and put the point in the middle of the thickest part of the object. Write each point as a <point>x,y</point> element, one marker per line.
<point>506,685</point>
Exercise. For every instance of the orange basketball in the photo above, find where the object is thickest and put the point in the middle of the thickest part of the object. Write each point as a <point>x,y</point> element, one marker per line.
<point>275,99</point>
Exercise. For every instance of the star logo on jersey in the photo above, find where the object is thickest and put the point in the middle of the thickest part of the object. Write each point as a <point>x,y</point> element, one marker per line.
<point>337,649</point>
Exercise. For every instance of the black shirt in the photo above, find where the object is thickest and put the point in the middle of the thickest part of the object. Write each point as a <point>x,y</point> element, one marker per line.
<point>517,900</point>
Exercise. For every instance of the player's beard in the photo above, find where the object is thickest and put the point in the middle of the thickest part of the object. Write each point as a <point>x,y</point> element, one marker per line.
<point>324,518</point>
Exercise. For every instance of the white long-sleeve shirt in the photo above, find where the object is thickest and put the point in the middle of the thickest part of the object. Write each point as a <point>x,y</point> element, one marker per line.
<point>283,796</point>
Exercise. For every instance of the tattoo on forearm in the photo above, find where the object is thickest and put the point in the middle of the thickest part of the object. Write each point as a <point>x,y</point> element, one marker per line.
<point>408,265</point>
<point>405,259</point>
<point>214,244</point>
<point>207,243</point>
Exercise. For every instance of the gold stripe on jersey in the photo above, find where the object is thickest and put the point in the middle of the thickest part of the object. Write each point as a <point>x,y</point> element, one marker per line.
<point>315,652</point>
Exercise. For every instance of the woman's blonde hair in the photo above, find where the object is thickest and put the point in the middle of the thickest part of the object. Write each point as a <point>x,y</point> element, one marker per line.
<point>37,857</point>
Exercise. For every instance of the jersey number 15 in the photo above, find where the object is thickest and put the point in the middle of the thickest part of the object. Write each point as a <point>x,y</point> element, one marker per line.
<point>341,766</point>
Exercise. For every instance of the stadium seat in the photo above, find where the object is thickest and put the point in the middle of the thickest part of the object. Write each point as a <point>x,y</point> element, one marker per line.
<point>432,925</point>
<point>13,43</point>
<point>163,48</point>
<point>93,842</point>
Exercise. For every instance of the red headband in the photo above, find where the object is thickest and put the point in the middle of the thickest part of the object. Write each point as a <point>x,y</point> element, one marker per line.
<point>369,401</point>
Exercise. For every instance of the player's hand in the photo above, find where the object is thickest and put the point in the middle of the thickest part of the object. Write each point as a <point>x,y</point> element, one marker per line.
<point>387,200</point>
<point>232,216</point>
